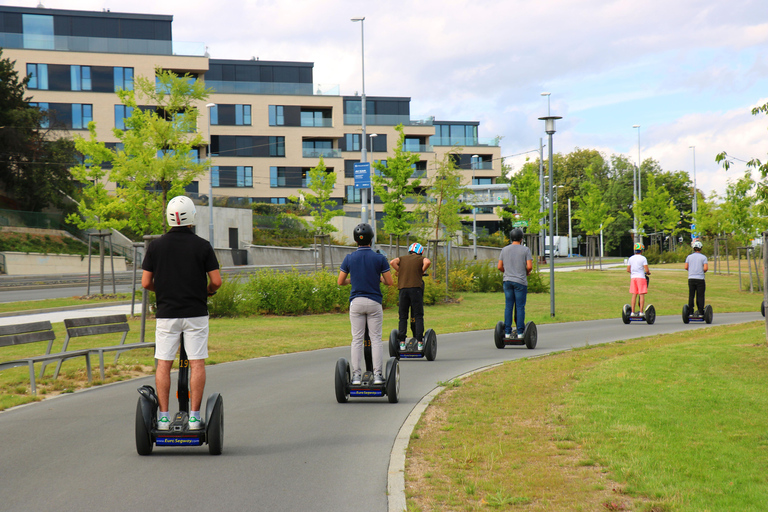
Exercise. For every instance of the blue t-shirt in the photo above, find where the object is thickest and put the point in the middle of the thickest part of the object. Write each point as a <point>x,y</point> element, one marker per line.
<point>365,268</point>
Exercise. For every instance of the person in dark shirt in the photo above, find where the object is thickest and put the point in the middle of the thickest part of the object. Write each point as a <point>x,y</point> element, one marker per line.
<point>364,270</point>
<point>410,281</point>
<point>182,269</point>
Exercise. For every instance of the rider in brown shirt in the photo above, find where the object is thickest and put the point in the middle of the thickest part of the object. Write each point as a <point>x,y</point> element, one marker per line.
<point>410,280</point>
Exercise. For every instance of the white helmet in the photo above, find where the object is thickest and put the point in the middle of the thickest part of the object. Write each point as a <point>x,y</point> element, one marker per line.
<point>181,211</point>
<point>696,244</point>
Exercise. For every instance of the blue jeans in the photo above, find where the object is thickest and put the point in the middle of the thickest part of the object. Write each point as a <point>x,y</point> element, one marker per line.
<point>515,295</point>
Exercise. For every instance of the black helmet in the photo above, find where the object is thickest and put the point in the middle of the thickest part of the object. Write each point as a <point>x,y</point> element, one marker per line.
<point>363,234</point>
<point>516,235</point>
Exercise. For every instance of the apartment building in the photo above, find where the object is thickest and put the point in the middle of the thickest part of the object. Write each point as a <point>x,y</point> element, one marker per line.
<point>269,123</point>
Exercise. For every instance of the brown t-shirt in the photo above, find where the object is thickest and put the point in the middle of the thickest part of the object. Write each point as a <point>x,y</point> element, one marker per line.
<point>411,273</point>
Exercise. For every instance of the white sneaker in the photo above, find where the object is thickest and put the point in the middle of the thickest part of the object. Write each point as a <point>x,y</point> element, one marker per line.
<point>195,423</point>
<point>357,379</point>
<point>378,378</point>
<point>420,345</point>
<point>402,345</point>
<point>163,423</point>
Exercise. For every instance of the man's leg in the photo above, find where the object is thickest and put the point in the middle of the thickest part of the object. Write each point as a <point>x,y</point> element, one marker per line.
<point>196,383</point>
<point>375,315</point>
<point>642,302</point>
<point>701,287</point>
<point>404,307</point>
<point>163,383</point>
<point>634,301</point>
<point>691,294</point>
<point>521,294</point>
<point>417,309</point>
<point>509,298</point>
<point>357,323</point>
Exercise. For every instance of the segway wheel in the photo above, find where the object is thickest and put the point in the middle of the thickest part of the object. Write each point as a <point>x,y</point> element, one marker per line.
<point>626,311</point>
<point>530,335</point>
<point>686,314</point>
<point>430,345</point>
<point>708,314</point>
<point>762,308</point>
<point>393,380</point>
<point>144,444</point>
<point>215,424</point>
<point>342,379</point>
<point>650,314</point>
<point>394,344</point>
<point>498,335</point>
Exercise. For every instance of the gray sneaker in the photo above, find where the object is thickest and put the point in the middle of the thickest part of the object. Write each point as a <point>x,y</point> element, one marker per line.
<point>378,378</point>
<point>357,379</point>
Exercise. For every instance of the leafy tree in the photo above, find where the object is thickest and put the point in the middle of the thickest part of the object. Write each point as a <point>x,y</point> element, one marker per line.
<point>393,185</point>
<point>740,209</point>
<point>156,162</point>
<point>321,183</point>
<point>525,185</point>
<point>619,197</point>
<point>592,212</point>
<point>34,166</point>
<point>657,210</point>
<point>441,206</point>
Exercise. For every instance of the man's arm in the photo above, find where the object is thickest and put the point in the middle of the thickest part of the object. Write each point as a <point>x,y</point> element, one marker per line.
<point>706,267</point>
<point>686,266</point>
<point>425,265</point>
<point>395,264</point>
<point>387,276</point>
<point>629,268</point>
<point>214,281</point>
<point>500,266</point>
<point>647,270</point>
<point>148,281</point>
<point>343,279</point>
<point>528,267</point>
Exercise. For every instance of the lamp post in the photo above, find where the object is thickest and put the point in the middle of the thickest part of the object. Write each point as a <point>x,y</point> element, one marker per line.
<point>210,181</point>
<point>542,229</point>
<point>635,183</point>
<point>695,194</point>
<point>373,211</point>
<point>474,209</point>
<point>363,156</point>
<point>549,127</point>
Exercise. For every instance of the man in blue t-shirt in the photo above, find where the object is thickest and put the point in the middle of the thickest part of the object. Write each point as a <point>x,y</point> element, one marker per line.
<point>696,265</point>
<point>364,270</point>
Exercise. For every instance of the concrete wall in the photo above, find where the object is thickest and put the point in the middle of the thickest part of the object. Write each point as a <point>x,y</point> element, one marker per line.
<point>223,220</point>
<point>28,264</point>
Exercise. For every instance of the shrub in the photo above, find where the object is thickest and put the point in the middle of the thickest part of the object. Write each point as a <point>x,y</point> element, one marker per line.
<point>227,302</point>
<point>434,292</point>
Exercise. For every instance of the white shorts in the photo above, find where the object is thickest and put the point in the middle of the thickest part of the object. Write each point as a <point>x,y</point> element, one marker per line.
<point>168,335</point>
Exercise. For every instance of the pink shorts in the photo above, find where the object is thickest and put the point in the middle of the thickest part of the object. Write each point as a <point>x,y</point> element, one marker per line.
<point>638,285</point>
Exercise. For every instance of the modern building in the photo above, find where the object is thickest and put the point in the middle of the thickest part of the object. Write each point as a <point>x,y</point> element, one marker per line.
<point>270,123</point>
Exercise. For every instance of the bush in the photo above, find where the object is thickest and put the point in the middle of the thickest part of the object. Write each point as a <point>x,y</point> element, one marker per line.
<point>227,302</point>
<point>434,292</point>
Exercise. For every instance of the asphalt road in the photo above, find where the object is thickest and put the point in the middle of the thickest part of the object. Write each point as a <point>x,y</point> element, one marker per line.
<point>288,445</point>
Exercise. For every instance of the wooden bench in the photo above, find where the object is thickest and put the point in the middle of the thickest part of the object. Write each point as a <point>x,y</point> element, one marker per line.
<point>31,333</point>
<point>78,327</point>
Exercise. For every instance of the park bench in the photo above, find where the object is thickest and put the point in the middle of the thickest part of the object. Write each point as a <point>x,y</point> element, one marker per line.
<point>31,333</point>
<point>78,327</point>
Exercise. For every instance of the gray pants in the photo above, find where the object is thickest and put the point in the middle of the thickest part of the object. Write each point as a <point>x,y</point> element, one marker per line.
<point>361,310</point>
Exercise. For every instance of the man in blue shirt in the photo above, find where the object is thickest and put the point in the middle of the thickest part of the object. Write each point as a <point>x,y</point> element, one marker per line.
<point>364,270</point>
<point>696,265</point>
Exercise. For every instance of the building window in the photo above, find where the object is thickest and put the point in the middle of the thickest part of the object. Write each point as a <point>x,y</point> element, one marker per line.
<point>277,146</point>
<point>231,115</point>
<point>352,195</point>
<point>276,115</point>
<point>82,114</point>
<point>38,76</point>
<point>482,181</point>
<point>38,31</point>
<point>277,200</point>
<point>122,113</point>
<point>123,78</point>
<point>352,141</point>
<point>292,177</point>
<point>316,118</point>
<point>240,176</point>
<point>80,78</point>
<point>45,122</point>
<point>243,115</point>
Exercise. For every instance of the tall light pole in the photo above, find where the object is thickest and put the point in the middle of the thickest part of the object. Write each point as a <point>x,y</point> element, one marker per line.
<point>639,166</point>
<point>474,208</point>
<point>547,94</point>
<point>373,211</point>
<point>363,156</point>
<point>542,229</point>
<point>635,185</point>
<point>210,175</point>
<point>695,194</point>
<point>549,127</point>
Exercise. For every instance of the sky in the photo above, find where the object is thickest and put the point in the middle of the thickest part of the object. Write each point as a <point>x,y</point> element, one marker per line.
<point>688,72</point>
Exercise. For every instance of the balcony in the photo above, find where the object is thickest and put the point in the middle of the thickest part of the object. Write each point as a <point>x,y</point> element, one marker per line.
<point>386,120</point>
<point>482,166</point>
<point>486,195</point>
<point>464,141</point>
<point>102,45</point>
<point>231,87</point>
<point>321,123</point>
<point>320,152</point>
<point>418,148</point>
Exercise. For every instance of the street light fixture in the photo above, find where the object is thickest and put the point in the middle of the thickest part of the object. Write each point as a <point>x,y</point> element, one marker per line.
<point>547,94</point>
<point>695,193</point>
<point>373,211</point>
<point>549,127</point>
<point>363,156</point>
<point>636,187</point>
<point>474,209</point>
<point>210,181</point>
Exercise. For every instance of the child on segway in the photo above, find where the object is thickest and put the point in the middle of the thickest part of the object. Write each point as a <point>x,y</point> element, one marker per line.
<point>696,265</point>
<point>516,263</point>
<point>410,271</point>
<point>637,266</point>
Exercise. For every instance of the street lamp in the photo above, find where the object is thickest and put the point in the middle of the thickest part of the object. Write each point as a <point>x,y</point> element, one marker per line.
<point>210,181</point>
<point>695,194</point>
<point>547,94</point>
<point>373,212</point>
<point>549,127</point>
<point>474,208</point>
<point>363,156</point>
<point>637,184</point>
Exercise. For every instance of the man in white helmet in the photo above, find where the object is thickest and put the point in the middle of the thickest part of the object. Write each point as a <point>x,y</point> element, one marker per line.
<point>696,265</point>
<point>182,269</point>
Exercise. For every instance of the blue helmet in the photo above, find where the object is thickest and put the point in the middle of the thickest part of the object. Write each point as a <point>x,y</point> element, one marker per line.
<point>417,248</point>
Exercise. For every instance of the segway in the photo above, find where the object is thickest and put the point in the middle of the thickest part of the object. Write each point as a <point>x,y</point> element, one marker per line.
<point>649,317</point>
<point>343,378</point>
<point>147,434</point>
<point>411,351</point>
<point>762,308</point>
<point>529,338</point>
<point>695,316</point>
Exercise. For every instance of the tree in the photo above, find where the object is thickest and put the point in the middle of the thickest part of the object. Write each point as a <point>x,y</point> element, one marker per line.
<point>34,166</point>
<point>740,209</point>
<point>441,206</point>
<point>525,186</point>
<point>394,185</point>
<point>592,212</point>
<point>321,182</point>
<point>157,160</point>
<point>619,197</point>
<point>657,210</point>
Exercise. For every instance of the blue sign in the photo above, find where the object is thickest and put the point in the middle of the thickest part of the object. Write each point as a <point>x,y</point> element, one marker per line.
<point>363,175</point>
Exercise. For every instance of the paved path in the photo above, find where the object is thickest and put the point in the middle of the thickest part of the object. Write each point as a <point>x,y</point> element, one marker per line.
<point>288,445</point>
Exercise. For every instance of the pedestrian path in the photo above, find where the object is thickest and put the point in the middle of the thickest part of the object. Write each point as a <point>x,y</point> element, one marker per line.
<point>55,316</point>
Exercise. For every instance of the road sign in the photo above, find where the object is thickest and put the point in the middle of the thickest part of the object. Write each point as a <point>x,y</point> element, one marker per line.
<point>520,224</point>
<point>363,175</point>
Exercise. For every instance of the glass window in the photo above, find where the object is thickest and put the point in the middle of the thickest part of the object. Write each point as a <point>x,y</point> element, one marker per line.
<point>352,141</point>
<point>121,114</point>
<point>82,114</point>
<point>482,181</point>
<point>276,115</point>
<point>44,123</point>
<point>243,115</point>
<point>38,31</point>
<point>123,78</point>
<point>244,176</point>
<point>352,194</point>
<point>277,146</point>
<point>38,74</point>
<point>80,78</point>
<point>214,114</point>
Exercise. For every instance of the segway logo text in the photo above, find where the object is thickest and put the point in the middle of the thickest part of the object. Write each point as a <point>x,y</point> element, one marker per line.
<point>363,392</point>
<point>178,441</point>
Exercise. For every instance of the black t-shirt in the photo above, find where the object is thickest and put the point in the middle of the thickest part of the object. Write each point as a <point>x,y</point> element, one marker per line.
<point>180,261</point>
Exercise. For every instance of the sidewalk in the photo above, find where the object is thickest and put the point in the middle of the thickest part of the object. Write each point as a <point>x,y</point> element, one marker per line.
<point>55,316</point>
